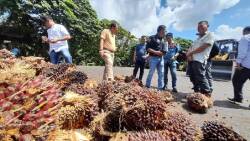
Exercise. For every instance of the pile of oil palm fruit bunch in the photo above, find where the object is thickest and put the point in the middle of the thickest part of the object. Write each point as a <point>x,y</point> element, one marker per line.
<point>40,101</point>
<point>199,102</point>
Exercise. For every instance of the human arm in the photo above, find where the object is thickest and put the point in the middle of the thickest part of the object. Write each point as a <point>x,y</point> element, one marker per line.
<point>103,37</point>
<point>134,57</point>
<point>242,51</point>
<point>199,49</point>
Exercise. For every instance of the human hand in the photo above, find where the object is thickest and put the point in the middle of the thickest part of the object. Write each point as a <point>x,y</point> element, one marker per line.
<point>238,66</point>
<point>173,58</point>
<point>44,39</point>
<point>53,41</point>
<point>101,52</point>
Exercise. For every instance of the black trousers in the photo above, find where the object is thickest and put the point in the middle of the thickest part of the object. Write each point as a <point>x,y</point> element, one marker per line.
<point>239,78</point>
<point>139,65</point>
<point>197,74</point>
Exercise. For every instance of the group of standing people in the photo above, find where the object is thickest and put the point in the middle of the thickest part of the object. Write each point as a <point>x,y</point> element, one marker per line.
<point>161,52</point>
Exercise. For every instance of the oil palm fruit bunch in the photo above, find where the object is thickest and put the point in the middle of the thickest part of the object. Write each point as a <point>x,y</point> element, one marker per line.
<point>73,77</point>
<point>78,111</point>
<point>199,102</point>
<point>213,130</point>
<point>134,109</point>
<point>178,126</point>
<point>138,136</point>
<point>55,71</point>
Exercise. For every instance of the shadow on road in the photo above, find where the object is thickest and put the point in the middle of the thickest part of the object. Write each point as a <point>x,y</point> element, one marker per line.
<point>227,104</point>
<point>181,97</point>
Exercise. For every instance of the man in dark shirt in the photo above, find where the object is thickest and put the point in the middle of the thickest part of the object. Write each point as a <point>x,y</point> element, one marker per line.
<point>139,60</point>
<point>156,47</point>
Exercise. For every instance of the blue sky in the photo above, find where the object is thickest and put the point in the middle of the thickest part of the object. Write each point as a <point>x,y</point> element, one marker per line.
<point>237,16</point>
<point>141,17</point>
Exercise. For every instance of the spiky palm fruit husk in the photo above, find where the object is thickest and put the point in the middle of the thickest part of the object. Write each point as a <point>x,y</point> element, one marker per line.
<point>106,88</point>
<point>70,135</point>
<point>78,111</point>
<point>213,130</point>
<point>18,72</point>
<point>199,102</point>
<point>134,109</point>
<point>73,77</point>
<point>81,89</point>
<point>178,126</point>
<point>90,84</point>
<point>119,78</point>
<point>37,63</point>
<point>55,71</point>
<point>138,136</point>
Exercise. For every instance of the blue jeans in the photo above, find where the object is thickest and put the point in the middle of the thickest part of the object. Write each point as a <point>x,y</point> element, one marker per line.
<point>54,56</point>
<point>172,66</point>
<point>156,63</point>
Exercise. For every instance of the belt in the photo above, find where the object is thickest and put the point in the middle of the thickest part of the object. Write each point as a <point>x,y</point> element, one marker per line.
<point>105,49</point>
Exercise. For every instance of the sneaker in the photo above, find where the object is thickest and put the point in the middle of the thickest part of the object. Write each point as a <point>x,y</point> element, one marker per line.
<point>234,100</point>
<point>174,90</point>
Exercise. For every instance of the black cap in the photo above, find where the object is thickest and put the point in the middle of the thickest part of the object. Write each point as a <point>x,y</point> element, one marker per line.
<point>170,35</point>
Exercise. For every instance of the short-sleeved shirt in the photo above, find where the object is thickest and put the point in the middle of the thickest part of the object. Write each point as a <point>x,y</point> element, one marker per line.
<point>109,40</point>
<point>243,57</point>
<point>172,51</point>
<point>57,31</point>
<point>204,55</point>
<point>156,43</point>
<point>140,51</point>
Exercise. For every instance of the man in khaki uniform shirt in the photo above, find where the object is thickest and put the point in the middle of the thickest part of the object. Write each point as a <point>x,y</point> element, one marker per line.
<point>107,49</point>
<point>197,56</point>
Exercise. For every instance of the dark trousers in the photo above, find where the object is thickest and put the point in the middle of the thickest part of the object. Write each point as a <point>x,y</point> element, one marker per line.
<point>139,64</point>
<point>239,78</point>
<point>209,74</point>
<point>198,77</point>
<point>172,68</point>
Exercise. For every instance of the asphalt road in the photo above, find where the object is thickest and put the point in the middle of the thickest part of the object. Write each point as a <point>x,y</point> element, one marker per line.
<point>237,116</point>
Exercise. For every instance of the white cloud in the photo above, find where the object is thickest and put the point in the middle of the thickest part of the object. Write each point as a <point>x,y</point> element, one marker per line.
<point>143,16</point>
<point>227,32</point>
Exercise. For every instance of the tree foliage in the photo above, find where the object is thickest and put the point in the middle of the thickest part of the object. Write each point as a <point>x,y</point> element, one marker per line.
<point>184,43</point>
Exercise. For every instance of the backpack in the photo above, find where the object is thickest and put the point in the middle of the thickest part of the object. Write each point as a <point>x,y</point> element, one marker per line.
<point>215,51</point>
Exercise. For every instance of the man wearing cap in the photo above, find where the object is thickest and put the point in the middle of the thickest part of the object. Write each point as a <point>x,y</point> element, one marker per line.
<point>170,62</point>
<point>197,56</point>
<point>156,48</point>
<point>107,50</point>
<point>242,72</point>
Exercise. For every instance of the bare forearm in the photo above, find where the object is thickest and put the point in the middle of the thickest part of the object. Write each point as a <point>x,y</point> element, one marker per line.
<point>67,37</point>
<point>101,44</point>
<point>200,49</point>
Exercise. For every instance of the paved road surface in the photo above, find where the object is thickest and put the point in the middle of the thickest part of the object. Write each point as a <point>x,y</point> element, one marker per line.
<point>237,116</point>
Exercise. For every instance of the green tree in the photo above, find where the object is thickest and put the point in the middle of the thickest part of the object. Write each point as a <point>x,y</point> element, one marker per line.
<point>184,43</point>
<point>22,25</point>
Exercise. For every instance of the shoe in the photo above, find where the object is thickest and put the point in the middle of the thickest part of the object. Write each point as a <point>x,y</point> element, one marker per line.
<point>174,90</point>
<point>234,100</point>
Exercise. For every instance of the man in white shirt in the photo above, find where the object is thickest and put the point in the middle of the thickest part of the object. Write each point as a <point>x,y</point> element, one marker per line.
<point>242,72</point>
<point>197,56</point>
<point>57,40</point>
